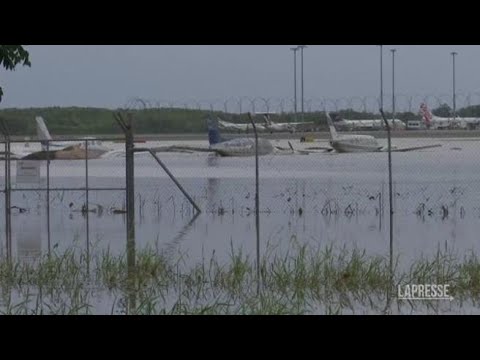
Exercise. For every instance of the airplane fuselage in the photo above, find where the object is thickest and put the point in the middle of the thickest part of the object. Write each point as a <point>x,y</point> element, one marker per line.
<point>243,147</point>
<point>445,123</point>
<point>355,144</point>
<point>280,128</point>
<point>371,124</point>
<point>240,127</point>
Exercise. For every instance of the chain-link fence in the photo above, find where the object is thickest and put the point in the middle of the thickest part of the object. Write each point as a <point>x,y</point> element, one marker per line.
<point>306,190</point>
<point>407,103</point>
<point>309,191</point>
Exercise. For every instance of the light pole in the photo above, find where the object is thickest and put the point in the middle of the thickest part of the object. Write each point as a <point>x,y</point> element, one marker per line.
<point>295,79</point>
<point>454,88</point>
<point>393,87</point>
<point>381,76</point>
<point>301,47</point>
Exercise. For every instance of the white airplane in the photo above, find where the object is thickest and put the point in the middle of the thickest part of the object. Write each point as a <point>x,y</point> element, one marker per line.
<point>361,143</point>
<point>241,128</point>
<point>65,149</point>
<point>281,127</point>
<point>435,122</point>
<point>47,142</point>
<point>373,124</point>
<point>238,147</point>
<point>218,145</point>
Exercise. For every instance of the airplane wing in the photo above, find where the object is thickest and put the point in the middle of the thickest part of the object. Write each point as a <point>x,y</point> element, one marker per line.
<point>320,148</point>
<point>288,151</point>
<point>307,151</point>
<point>416,148</point>
<point>69,153</point>
<point>301,123</point>
<point>13,156</point>
<point>165,149</point>
<point>185,149</point>
<point>176,148</point>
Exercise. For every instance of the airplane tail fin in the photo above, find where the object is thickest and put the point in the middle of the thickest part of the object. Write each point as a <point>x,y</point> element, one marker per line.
<point>219,122</point>
<point>426,115</point>
<point>333,131</point>
<point>42,132</point>
<point>214,136</point>
<point>267,120</point>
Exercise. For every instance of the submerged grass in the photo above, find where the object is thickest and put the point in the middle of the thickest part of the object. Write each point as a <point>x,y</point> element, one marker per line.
<point>302,280</point>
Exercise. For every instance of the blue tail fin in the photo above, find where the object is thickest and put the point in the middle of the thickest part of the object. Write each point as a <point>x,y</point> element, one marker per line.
<point>214,136</point>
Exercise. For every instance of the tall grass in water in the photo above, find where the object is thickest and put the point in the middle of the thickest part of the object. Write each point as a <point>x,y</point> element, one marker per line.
<point>301,280</point>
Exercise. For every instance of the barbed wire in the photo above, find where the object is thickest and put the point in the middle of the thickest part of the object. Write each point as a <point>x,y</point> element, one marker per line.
<point>367,104</point>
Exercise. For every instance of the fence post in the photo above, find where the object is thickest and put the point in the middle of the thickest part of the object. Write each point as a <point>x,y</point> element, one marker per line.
<point>257,204</point>
<point>130,197</point>
<point>8,208</point>
<point>130,178</point>
<point>48,198</point>
<point>87,206</point>
<point>390,193</point>
<point>180,187</point>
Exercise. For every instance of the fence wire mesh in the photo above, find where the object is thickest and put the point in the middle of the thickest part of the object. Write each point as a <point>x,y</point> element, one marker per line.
<point>408,103</point>
<point>308,193</point>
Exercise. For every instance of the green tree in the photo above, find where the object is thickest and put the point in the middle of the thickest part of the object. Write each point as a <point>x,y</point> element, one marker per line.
<point>11,56</point>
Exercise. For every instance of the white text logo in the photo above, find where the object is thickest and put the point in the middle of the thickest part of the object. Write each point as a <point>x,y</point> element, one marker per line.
<point>424,292</point>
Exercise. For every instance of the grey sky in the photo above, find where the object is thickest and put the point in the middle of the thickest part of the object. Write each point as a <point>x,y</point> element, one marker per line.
<point>107,76</point>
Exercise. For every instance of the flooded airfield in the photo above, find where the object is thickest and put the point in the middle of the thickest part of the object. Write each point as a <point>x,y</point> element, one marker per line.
<point>321,199</point>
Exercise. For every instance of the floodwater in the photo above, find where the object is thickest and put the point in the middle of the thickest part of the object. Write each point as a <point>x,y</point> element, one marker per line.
<point>320,199</point>
<point>324,199</point>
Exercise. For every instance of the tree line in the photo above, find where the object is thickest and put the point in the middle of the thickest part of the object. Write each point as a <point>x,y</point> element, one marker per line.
<point>98,121</point>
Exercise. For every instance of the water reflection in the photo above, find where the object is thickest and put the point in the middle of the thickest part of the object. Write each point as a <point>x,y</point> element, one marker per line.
<point>29,241</point>
<point>213,185</point>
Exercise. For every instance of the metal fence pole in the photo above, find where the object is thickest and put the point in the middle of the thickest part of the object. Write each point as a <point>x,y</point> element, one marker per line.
<point>48,198</point>
<point>87,206</point>
<point>180,187</point>
<point>8,207</point>
<point>6,195</point>
<point>257,204</point>
<point>390,193</point>
<point>130,198</point>
<point>130,178</point>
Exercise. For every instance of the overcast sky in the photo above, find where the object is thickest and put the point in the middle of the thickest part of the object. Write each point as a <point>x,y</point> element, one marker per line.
<point>108,76</point>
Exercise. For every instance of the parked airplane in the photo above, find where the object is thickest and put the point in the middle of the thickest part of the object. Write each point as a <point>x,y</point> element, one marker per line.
<point>234,147</point>
<point>282,127</point>
<point>222,147</point>
<point>241,128</point>
<point>435,122</point>
<point>64,150</point>
<point>45,138</point>
<point>372,124</point>
<point>361,143</point>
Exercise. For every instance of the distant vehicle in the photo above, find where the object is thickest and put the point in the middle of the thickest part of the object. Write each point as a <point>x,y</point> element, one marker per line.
<point>415,125</point>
